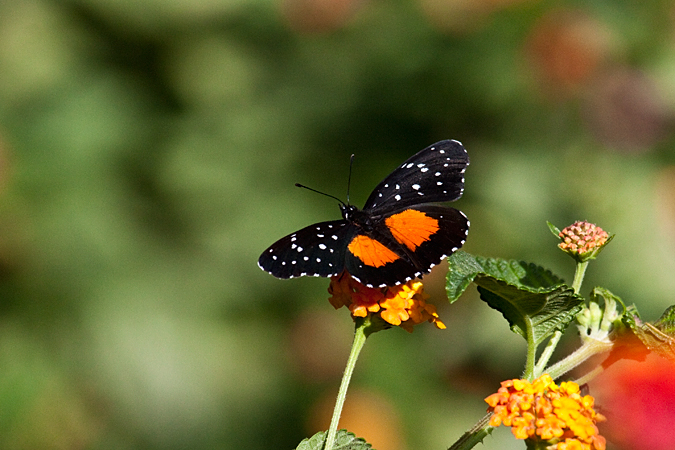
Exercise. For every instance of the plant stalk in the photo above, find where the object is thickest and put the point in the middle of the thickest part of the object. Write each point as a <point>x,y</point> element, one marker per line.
<point>359,340</point>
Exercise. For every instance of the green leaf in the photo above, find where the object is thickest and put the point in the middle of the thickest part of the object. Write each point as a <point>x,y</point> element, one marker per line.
<point>554,229</point>
<point>666,322</point>
<point>658,337</point>
<point>463,269</point>
<point>533,300</point>
<point>600,292</point>
<point>343,441</point>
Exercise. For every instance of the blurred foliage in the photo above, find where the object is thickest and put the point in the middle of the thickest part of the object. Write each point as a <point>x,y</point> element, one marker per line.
<point>147,156</point>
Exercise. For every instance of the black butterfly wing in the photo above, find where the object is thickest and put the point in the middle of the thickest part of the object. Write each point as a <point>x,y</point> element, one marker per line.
<point>414,260</point>
<point>317,251</point>
<point>435,174</point>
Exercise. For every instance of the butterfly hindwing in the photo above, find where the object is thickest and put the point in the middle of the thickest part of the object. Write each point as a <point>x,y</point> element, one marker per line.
<point>435,174</point>
<point>317,250</point>
<point>412,242</point>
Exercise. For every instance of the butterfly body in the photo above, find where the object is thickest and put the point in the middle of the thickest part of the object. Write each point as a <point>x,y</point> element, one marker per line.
<point>400,233</point>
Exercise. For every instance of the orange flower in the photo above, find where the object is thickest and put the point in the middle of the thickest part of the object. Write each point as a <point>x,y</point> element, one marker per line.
<point>403,305</point>
<point>544,411</point>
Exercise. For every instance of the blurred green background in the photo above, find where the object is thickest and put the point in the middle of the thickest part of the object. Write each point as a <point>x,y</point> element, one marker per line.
<point>148,151</point>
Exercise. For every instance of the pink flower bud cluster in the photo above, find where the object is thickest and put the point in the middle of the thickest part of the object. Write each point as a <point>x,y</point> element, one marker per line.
<point>582,238</point>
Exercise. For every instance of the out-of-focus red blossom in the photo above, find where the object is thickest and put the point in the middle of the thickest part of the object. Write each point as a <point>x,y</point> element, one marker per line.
<point>463,16</point>
<point>318,15</point>
<point>638,399</point>
<point>625,110</point>
<point>566,49</point>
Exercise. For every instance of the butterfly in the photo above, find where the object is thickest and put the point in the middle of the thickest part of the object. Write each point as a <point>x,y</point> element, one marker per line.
<point>399,235</point>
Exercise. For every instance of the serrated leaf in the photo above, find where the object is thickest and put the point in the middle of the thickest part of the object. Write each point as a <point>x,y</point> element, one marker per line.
<point>343,441</point>
<point>533,300</point>
<point>463,269</point>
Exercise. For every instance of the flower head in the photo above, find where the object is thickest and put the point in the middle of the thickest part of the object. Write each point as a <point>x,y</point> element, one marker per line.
<point>403,305</point>
<point>583,240</point>
<point>543,411</point>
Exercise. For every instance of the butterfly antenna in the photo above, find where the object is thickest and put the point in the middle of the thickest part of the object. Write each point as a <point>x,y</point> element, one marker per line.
<point>349,178</point>
<point>319,192</point>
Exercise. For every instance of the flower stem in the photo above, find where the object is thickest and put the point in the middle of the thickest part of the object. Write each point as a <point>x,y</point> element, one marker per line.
<point>531,354</point>
<point>360,336</point>
<point>475,435</point>
<point>579,273</point>
<point>589,348</point>
<point>546,354</point>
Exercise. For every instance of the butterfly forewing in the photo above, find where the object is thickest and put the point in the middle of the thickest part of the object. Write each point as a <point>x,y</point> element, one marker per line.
<point>317,250</point>
<point>435,174</point>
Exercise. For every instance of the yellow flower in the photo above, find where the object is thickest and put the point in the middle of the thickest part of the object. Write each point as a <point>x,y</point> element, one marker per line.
<point>403,305</point>
<point>543,411</point>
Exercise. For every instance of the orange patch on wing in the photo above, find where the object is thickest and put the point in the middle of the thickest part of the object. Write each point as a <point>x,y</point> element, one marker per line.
<point>411,227</point>
<point>371,252</point>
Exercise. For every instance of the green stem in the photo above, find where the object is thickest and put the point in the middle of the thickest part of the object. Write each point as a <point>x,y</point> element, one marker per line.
<point>475,435</point>
<point>589,348</point>
<point>359,340</point>
<point>546,354</point>
<point>531,354</point>
<point>537,370</point>
<point>579,276</point>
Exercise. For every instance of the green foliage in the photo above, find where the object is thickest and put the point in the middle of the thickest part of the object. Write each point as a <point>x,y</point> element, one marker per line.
<point>533,300</point>
<point>148,152</point>
<point>658,337</point>
<point>343,441</point>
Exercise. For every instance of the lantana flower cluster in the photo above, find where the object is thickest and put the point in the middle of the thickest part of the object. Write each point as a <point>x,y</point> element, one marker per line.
<point>583,239</point>
<point>542,411</point>
<point>403,305</point>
